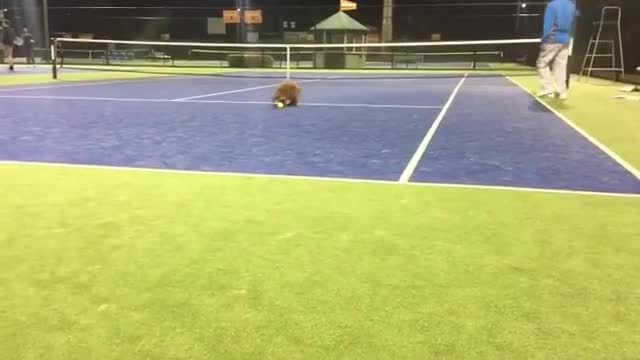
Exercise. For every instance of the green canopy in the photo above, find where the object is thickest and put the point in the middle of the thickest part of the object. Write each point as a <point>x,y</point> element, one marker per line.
<point>339,22</point>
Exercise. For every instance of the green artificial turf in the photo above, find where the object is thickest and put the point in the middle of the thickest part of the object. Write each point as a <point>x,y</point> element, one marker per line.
<point>592,106</point>
<point>103,73</point>
<point>42,78</point>
<point>107,264</point>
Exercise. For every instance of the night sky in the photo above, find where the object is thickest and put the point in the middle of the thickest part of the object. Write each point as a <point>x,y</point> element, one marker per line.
<point>414,20</point>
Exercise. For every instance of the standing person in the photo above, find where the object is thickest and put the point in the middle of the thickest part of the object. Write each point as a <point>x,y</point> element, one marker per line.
<point>28,42</point>
<point>8,37</point>
<point>559,18</point>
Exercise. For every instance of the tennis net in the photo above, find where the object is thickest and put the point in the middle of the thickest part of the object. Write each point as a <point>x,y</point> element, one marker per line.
<point>219,58</point>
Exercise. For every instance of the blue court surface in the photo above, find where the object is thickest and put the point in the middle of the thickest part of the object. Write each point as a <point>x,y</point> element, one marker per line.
<point>384,128</point>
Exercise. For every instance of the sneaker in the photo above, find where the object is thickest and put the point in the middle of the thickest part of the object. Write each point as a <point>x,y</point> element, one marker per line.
<point>10,67</point>
<point>562,96</point>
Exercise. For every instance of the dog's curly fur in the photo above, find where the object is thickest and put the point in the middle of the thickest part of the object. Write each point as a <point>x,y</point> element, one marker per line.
<point>288,93</point>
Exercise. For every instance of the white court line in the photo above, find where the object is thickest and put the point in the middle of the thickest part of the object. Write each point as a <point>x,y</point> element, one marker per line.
<point>240,90</point>
<point>413,163</point>
<point>415,79</point>
<point>325,179</point>
<point>630,168</point>
<point>391,106</point>
<point>105,82</point>
<point>225,92</point>
<point>376,105</point>
<point>84,98</point>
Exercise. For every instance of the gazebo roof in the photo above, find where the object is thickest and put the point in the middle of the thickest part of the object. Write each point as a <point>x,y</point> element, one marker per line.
<point>339,22</point>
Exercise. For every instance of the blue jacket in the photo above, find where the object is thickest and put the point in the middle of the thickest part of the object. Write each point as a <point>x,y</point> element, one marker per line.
<point>559,19</point>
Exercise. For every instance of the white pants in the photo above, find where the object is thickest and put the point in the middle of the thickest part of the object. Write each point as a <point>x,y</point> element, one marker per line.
<point>556,56</point>
<point>7,52</point>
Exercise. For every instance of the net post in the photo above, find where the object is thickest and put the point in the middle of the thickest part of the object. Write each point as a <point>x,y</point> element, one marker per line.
<point>475,59</point>
<point>288,62</point>
<point>54,58</point>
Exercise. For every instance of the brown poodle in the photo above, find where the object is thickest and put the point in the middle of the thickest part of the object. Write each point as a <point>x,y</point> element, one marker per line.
<point>287,93</point>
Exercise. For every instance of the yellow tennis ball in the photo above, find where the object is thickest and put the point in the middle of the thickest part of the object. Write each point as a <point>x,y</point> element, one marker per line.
<point>280,105</point>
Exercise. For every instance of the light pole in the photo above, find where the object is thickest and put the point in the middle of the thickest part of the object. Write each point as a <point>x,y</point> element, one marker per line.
<point>240,30</point>
<point>45,20</point>
<point>387,21</point>
<point>522,8</point>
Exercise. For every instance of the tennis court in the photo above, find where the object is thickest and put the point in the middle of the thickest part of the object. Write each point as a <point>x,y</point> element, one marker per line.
<point>168,212</point>
<point>454,129</point>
